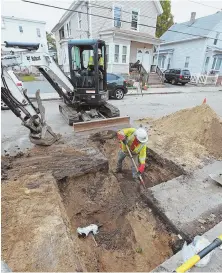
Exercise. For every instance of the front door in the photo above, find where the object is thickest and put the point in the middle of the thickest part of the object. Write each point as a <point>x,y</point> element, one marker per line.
<point>144,56</point>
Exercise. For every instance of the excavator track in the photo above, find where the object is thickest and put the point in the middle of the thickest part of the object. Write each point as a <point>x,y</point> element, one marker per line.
<point>69,114</point>
<point>109,110</point>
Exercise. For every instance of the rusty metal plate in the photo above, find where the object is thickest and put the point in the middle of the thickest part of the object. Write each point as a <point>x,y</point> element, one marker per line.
<point>100,123</point>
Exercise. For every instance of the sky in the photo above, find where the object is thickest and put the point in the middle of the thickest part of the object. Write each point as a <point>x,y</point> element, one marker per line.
<point>181,10</point>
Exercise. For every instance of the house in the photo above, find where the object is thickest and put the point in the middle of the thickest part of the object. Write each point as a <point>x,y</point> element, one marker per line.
<point>195,45</point>
<point>23,30</point>
<point>127,27</point>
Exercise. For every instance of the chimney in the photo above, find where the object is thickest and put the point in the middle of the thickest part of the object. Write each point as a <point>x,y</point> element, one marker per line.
<point>192,17</point>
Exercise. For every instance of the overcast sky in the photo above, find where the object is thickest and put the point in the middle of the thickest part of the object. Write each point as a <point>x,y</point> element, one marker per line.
<point>180,9</point>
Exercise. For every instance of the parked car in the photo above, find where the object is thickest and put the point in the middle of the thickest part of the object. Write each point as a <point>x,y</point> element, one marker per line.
<point>116,85</point>
<point>175,76</point>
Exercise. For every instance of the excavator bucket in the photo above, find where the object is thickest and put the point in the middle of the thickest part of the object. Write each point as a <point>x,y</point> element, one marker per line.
<point>46,136</point>
<point>117,122</point>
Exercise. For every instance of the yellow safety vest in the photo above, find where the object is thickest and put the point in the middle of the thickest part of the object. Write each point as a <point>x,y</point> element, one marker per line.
<point>140,149</point>
<point>100,62</point>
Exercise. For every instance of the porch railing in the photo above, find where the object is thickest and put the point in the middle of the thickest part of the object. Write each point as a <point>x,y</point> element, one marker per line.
<point>160,73</point>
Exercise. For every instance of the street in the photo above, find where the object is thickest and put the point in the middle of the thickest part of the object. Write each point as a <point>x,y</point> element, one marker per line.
<point>15,136</point>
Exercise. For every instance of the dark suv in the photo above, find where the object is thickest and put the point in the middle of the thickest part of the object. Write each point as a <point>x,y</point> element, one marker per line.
<point>177,76</point>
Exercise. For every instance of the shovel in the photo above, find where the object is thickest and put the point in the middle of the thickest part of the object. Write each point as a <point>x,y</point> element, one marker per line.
<point>134,163</point>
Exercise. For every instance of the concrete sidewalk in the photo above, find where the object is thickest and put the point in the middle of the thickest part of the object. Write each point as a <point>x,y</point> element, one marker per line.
<point>174,90</point>
<point>150,91</point>
<point>215,264</point>
<point>191,203</point>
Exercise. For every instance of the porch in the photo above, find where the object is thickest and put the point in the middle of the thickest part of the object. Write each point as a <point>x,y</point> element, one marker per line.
<point>126,47</point>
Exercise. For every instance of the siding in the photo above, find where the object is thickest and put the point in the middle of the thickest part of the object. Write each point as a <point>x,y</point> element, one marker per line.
<point>10,31</point>
<point>218,28</point>
<point>146,8</point>
<point>133,49</point>
<point>194,49</point>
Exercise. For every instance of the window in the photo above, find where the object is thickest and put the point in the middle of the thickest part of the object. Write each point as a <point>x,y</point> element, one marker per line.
<point>161,61</point>
<point>217,63</point>
<point>21,29</point>
<point>111,77</point>
<point>177,71</point>
<point>38,32</point>
<point>61,33</point>
<point>216,38</point>
<point>80,20</point>
<point>214,62</point>
<point>116,55</point>
<point>124,53</point>
<point>207,61</point>
<point>134,22</point>
<point>186,72</point>
<point>75,52</point>
<point>219,60</point>
<point>168,65</point>
<point>117,16</point>
<point>187,62</point>
<point>68,29</point>
<point>107,53</point>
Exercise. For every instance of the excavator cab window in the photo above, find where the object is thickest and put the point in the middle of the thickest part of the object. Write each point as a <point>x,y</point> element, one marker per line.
<point>87,65</point>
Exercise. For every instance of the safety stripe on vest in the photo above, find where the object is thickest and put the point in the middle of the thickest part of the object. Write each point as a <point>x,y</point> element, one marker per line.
<point>141,145</point>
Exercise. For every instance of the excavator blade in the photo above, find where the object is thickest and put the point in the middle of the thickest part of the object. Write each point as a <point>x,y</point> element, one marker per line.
<point>117,122</point>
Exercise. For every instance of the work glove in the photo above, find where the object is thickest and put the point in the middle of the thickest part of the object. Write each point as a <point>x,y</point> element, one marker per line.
<point>122,138</point>
<point>141,168</point>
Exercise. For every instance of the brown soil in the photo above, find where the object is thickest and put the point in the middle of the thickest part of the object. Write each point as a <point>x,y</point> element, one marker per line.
<point>126,224</point>
<point>188,136</point>
<point>51,191</point>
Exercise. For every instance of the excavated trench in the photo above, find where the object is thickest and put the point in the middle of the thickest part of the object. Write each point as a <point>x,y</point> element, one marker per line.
<point>131,236</point>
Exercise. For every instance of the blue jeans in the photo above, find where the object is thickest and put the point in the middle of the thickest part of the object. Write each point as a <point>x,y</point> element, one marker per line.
<point>122,156</point>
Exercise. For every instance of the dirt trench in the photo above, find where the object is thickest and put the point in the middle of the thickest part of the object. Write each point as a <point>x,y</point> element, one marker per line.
<point>131,237</point>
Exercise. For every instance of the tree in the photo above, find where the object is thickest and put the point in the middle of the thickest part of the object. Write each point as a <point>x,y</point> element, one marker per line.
<point>165,20</point>
<point>51,40</point>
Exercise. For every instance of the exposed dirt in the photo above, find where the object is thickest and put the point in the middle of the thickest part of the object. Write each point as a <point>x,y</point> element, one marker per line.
<point>51,191</point>
<point>127,224</point>
<point>189,137</point>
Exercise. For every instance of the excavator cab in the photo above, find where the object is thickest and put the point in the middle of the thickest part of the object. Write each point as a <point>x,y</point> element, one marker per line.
<point>87,61</point>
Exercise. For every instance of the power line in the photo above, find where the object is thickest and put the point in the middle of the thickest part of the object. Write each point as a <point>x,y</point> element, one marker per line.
<point>204,4</point>
<point>104,17</point>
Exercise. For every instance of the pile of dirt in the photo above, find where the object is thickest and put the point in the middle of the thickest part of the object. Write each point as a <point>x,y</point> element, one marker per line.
<point>188,136</point>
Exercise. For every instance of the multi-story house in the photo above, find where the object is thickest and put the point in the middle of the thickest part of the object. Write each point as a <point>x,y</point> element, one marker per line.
<point>195,45</point>
<point>128,28</point>
<point>23,30</point>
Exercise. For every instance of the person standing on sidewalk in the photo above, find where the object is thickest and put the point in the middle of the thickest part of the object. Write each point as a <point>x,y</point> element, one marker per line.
<point>136,140</point>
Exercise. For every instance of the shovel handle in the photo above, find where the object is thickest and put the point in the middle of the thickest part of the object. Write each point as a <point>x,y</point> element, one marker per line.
<point>134,163</point>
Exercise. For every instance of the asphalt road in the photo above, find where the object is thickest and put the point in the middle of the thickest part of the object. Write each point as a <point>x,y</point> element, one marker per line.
<point>15,136</point>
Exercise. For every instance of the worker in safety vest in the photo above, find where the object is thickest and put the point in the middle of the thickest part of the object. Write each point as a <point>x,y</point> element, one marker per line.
<point>100,61</point>
<point>136,140</point>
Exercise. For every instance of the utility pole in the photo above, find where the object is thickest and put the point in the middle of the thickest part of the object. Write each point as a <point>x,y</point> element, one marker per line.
<point>88,21</point>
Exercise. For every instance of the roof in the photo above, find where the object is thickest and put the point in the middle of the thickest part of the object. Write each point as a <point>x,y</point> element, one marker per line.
<point>133,33</point>
<point>66,15</point>
<point>22,19</point>
<point>201,27</point>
